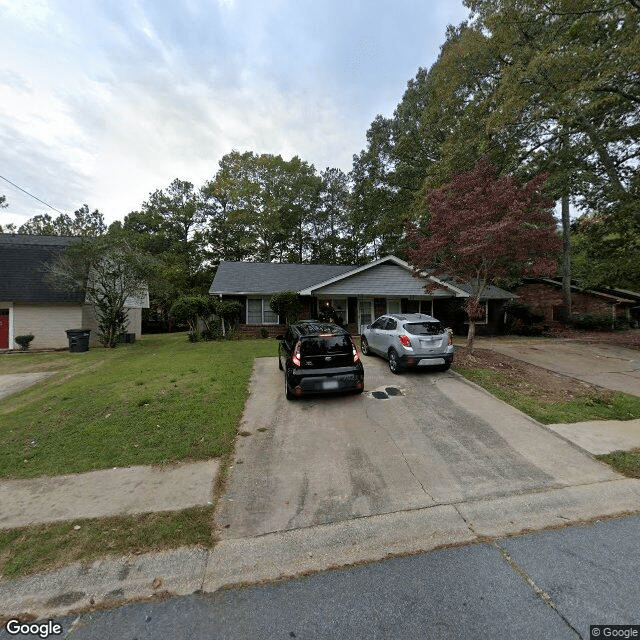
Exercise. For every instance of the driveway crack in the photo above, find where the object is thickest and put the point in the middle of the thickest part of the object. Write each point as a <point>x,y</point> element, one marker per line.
<point>541,593</point>
<point>397,446</point>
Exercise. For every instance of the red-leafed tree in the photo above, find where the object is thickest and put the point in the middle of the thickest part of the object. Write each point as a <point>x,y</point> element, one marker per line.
<point>485,229</point>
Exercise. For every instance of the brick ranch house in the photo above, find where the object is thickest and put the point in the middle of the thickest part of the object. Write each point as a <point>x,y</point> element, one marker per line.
<point>358,294</point>
<point>544,295</point>
<point>30,305</point>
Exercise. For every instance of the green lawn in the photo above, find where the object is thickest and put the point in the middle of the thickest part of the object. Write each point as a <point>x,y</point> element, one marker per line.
<point>626,462</point>
<point>45,547</point>
<point>159,400</point>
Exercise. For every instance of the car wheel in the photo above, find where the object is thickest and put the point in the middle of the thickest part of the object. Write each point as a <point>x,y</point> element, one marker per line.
<point>445,367</point>
<point>287,392</point>
<point>394,362</point>
<point>364,347</point>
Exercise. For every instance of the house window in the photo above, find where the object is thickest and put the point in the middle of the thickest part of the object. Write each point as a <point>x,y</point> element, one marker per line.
<point>259,312</point>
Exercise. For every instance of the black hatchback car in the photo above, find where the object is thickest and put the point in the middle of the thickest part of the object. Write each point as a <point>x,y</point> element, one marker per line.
<point>318,357</point>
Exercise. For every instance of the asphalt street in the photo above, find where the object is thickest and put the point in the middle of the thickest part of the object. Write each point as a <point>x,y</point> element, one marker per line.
<point>549,586</point>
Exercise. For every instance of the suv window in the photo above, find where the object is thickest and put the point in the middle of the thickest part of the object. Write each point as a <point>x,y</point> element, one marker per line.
<point>424,328</point>
<point>379,323</point>
<point>391,324</point>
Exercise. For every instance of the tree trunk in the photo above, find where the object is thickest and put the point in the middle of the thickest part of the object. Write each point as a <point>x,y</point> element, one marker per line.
<point>566,252</point>
<point>471,335</point>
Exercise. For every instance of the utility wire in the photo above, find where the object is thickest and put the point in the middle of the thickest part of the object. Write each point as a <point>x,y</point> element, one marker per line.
<point>31,195</point>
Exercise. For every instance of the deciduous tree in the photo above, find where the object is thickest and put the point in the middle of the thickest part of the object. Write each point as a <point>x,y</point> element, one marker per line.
<point>108,271</point>
<point>485,229</point>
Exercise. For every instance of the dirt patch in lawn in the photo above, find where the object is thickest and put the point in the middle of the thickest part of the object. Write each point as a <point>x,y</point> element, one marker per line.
<point>524,378</point>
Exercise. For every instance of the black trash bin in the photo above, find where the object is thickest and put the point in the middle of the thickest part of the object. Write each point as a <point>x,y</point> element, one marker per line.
<point>78,340</point>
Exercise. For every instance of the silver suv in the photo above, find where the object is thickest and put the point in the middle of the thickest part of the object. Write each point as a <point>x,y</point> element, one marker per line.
<point>408,339</point>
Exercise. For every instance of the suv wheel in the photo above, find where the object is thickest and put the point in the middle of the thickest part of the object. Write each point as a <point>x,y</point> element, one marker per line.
<point>394,362</point>
<point>364,347</point>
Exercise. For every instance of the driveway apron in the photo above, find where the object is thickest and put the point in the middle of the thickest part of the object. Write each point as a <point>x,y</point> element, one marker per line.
<point>411,441</point>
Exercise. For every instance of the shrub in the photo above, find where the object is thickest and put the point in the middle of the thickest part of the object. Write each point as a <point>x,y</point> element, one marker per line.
<point>592,322</point>
<point>286,303</point>
<point>228,311</point>
<point>522,319</point>
<point>194,336</point>
<point>264,332</point>
<point>522,311</point>
<point>520,329</point>
<point>24,341</point>
<point>212,332</point>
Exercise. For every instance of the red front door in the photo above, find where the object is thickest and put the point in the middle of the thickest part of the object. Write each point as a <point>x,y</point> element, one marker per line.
<point>4,328</point>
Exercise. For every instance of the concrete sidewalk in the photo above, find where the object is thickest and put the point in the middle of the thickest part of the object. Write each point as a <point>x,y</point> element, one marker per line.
<point>107,492</point>
<point>601,436</point>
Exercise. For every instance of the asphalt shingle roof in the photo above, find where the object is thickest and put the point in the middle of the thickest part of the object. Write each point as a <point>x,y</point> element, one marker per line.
<point>269,277</point>
<point>22,269</point>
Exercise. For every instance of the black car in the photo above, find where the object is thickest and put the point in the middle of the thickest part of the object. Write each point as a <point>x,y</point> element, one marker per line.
<point>319,357</point>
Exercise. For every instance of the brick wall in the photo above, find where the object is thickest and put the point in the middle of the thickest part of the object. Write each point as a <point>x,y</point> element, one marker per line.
<point>254,330</point>
<point>543,297</point>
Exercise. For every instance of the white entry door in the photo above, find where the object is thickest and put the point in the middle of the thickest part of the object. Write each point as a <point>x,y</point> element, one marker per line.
<point>365,313</point>
<point>393,306</point>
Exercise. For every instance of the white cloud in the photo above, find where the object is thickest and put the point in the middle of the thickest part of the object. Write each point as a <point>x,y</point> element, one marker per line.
<point>105,102</point>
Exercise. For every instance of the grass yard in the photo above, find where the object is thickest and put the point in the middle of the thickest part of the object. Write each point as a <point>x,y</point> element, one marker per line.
<point>626,462</point>
<point>159,400</point>
<point>50,546</point>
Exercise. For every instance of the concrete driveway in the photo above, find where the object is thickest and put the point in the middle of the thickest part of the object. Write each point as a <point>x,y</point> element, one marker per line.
<point>409,442</point>
<point>14,382</point>
<point>607,365</point>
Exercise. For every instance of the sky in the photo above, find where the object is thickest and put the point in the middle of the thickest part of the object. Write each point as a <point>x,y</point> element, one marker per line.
<point>105,101</point>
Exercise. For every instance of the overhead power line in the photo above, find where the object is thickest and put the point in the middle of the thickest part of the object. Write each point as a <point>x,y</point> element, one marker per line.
<point>31,195</point>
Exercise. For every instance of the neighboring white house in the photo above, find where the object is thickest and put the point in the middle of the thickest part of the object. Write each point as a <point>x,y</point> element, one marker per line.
<point>30,305</point>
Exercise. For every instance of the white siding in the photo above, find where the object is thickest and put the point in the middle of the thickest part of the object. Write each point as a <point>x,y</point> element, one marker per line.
<point>90,321</point>
<point>47,323</point>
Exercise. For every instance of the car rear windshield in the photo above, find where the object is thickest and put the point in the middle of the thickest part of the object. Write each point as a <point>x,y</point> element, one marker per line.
<point>325,344</point>
<point>424,328</point>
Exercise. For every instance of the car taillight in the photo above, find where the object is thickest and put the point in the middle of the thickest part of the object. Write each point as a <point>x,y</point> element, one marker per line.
<point>296,355</point>
<point>405,341</point>
<point>356,355</point>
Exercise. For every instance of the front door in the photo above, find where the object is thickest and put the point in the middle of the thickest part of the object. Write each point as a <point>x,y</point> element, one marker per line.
<point>393,305</point>
<point>365,313</point>
<point>4,328</point>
